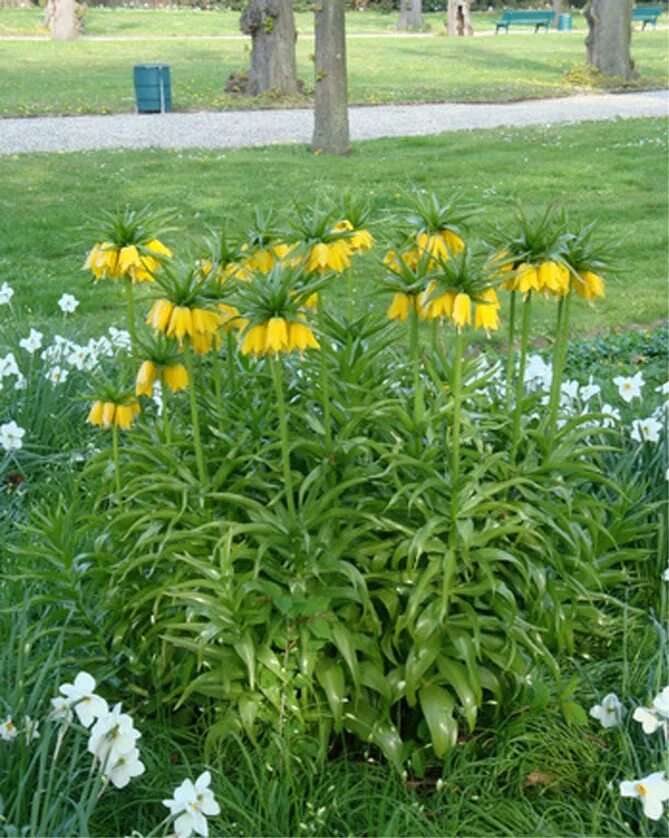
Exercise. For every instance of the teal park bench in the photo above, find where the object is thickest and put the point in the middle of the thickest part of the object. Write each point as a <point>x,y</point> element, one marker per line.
<point>521,18</point>
<point>647,14</point>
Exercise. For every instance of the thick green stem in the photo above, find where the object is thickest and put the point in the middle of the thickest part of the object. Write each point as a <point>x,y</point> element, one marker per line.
<point>559,357</point>
<point>350,293</point>
<point>166,415</point>
<point>510,356</point>
<point>455,445</point>
<point>231,351</point>
<point>277,375</point>
<point>197,442</point>
<point>216,370</point>
<point>117,467</point>
<point>520,382</point>
<point>131,313</point>
<point>325,381</point>
<point>414,349</point>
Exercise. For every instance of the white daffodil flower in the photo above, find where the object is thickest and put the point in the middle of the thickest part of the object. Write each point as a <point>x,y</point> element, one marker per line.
<point>122,768</point>
<point>30,729</point>
<point>612,416</point>
<point>62,711</point>
<point>11,436</point>
<point>21,382</point>
<point>629,388</point>
<point>57,375</point>
<point>609,712</point>
<point>663,388</point>
<point>68,303</point>
<point>82,699</point>
<point>120,337</point>
<point>8,731</point>
<point>33,342</point>
<point>652,790</point>
<point>661,703</point>
<point>112,736</point>
<point>648,719</point>
<point>8,365</point>
<point>538,373</point>
<point>665,575</point>
<point>191,802</point>
<point>589,390</point>
<point>657,714</point>
<point>6,293</point>
<point>568,391</point>
<point>646,430</point>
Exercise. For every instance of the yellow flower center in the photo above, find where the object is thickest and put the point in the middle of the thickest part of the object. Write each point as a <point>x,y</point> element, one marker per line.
<point>640,789</point>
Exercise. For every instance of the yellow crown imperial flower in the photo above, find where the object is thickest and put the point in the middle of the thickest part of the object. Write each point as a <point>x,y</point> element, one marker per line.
<point>202,342</point>
<point>276,335</point>
<point>335,256</point>
<point>230,319</point>
<point>400,306</point>
<point>359,241</point>
<point>462,310</point>
<point>104,414</point>
<point>146,377</point>
<point>441,306</point>
<point>206,322</point>
<point>553,278</point>
<point>254,340</point>
<point>410,258</point>
<point>175,377</point>
<point>486,315</point>
<point>160,314</point>
<point>301,337</point>
<point>181,323</point>
<point>590,287</point>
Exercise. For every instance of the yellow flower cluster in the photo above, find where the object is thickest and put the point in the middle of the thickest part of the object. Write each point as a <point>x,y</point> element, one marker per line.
<point>359,240</point>
<point>440,244</point>
<point>105,414</point>
<point>334,256</point>
<point>450,305</point>
<point>198,324</point>
<point>109,262</point>
<point>589,285</point>
<point>278,335</point>
<point>265,259</point>
<point>175,377</point>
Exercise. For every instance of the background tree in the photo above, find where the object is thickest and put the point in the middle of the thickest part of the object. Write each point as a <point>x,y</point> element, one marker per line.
<point>331,134</point>
<point>271,25</point>
<point>411,15</point>
<point>610,36</point>
<point>458,21</point>
<point>558,6</point>
<point>60,16</point>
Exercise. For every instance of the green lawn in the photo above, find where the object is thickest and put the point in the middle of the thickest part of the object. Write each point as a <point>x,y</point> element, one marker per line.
<point>614,172</point>
<point>175,22</point>
<point>95,76</point>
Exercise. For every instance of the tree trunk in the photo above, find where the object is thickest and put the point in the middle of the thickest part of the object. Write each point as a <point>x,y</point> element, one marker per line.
<point>558,5</point>
<point>609,37</point>
<point>331,100</point>
<point>61,18</point>
<point>411,15</point>
<point>458,21</point>
<point>271,25</point>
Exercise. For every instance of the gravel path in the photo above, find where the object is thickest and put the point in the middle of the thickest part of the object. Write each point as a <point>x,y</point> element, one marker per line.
<point>235,129</point>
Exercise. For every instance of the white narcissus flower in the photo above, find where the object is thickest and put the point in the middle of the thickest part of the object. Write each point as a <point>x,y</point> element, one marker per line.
<point>646,430</point>
<point>8,366</point>
<point>120,337</point>
<point>589,390</point>
<point>612,416</point>
<point>57,375</point>
<point>658,713</point>
<point>609,712</point>
<point>78,358</point>
<point>21,382</point>
<point>629,388</point>
<point>30,729</point>
<point>665,575</point>
<point>112,736</point>
<point>568,391</point>
<point>6,293</point>
<point>68,303</point>
<point>122,768</point>
<point>62,711</point>
<point>191,802</point>
<point>82,699</point>
<point>11,436</point>
<point>663,388</point>
<point>33,342</point>
<point>8,730</point>
<point>652,790</point>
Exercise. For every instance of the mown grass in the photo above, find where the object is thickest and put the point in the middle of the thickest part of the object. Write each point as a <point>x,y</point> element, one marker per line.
<point>178,22</point>
<point>614,173</point>
<point>95,76</point>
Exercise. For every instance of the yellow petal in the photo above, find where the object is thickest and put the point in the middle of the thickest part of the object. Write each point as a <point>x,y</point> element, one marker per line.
<point>254,340</point>
<point>276,337</point>
<point>399,307</point>
<point>462,310</point>
<point>160,314</point>
<point>181,322</point>
<point>145,378</point>
<point>108,412</point>
<point>301,337</point>
<point>95,415</point>
<point>176,377</point>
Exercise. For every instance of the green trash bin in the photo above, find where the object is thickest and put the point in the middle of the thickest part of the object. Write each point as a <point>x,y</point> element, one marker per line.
<point>153,88</point>
<point>564,23</point>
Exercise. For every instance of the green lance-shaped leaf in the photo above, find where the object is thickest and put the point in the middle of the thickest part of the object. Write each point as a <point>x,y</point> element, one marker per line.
<point>437,705</point>
<point>249,705</point>
<point>246,651</point>
<point>457,676</point>
<point>331,678</point>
